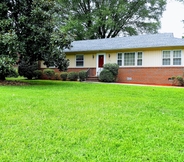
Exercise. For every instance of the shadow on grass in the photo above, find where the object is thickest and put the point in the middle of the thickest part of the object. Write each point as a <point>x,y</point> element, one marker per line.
<point>41,82</point>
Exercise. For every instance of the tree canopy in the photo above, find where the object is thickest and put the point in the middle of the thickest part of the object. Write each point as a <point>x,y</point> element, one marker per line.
<point>93,19</point>
<point>29,28</point>
<point>8,43</point>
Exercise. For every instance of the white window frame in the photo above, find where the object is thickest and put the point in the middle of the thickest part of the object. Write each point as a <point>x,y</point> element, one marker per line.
<point>180,57</point>
<point>122,62</point>
<point>171,58</point>
<point>136,59</point>
<point>139,59</point>
<point>79,60</point>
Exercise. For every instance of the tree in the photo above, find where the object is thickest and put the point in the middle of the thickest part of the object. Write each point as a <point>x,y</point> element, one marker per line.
<point>8,43</point>
<point>35,26</point>
<point>91,19</point>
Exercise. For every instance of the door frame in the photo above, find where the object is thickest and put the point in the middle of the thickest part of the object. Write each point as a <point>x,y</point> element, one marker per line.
<point>98,69</point>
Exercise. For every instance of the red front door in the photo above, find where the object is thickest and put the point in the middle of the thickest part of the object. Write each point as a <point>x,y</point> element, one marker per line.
<point>100,61</point>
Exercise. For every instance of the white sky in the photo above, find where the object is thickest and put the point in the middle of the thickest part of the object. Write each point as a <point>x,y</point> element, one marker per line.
<point>172,17</point>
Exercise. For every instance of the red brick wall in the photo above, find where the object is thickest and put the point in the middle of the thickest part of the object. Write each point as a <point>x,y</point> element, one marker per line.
<point>149,75</point>
<point>141,75</point>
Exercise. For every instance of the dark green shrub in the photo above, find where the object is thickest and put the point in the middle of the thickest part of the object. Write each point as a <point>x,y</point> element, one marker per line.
<point>63,76</point>
<point>106,76</point>
<point>37,74</point>
<point>82,75</point>
<point>14,73</point>
<point>49,73</point>
<point>112,67</point>
<point>72,76</point>
<point>27,70</point>
<point>109,72</point>
<point>6,66</point>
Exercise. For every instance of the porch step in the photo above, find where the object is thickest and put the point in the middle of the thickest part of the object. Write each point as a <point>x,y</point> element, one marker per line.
<point>92,79</point>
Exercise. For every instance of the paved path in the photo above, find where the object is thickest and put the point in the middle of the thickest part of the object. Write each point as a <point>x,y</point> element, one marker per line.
<point>168,86</point>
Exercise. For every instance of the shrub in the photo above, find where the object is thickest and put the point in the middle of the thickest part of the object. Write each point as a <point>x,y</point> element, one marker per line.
<point>14,73</point>
<point>106,76</point>
<point>178,80</point>
<point>109,72</point>
<point>49,73</point>
<point>173,77</point>
<point>6,66</point>
<point>27,70</point>
<point>37,74</point>
<point>72,76</point>
<point>63,76</point>
<point>57,76</point>
<point>82,75</point>
<point>112,67</point>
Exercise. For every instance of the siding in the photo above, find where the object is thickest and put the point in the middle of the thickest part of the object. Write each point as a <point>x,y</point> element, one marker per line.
<point>151,58</point>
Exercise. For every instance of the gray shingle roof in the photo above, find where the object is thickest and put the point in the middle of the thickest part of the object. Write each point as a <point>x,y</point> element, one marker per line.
<point>131,42</point>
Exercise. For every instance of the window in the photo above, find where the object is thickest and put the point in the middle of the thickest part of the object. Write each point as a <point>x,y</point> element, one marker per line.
<point>176,57</point>
<point>166,58</point>
<point>119,61</point>
<point>79,60</point>
<point>171,58</point>
<point>129,59</point>
<point>139,58</point>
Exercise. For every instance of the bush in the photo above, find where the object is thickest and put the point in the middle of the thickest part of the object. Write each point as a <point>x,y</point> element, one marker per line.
<point>178,80</point>
<point>14,73</point>
<point>72,76</point>
<point>37,74</point>
<point>109,72</point>
<point>63,76</point>
<point>82,75</point>
<point>112,67</point>
<point>106,76</point>
<point>57,76</point>
<point>49,73</point>
<point>6,66</point>
<point>27,70</point>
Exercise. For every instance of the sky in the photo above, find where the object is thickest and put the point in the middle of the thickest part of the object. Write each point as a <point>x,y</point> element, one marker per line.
<point>172,17</point>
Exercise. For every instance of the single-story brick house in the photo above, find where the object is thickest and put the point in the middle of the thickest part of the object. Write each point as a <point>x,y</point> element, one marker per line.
<point>146,59</point>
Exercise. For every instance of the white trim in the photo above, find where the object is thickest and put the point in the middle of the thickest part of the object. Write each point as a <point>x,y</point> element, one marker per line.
<point>98,70</point>
<point>76,60</point>
<point>136,59</point>
<point>172,58</point>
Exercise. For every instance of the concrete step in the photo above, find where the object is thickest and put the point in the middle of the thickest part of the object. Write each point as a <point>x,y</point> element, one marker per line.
<point>92,79</point>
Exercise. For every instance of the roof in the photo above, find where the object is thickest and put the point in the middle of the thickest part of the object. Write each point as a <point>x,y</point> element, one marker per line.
<point>131,42</point>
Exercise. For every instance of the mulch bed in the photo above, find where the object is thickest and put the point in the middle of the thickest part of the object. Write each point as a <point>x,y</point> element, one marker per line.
<point>12,83</point>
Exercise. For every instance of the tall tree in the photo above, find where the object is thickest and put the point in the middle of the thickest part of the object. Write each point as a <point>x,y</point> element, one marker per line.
<point>8,43</point>
<point>34,24</point>
<point>90,19</point>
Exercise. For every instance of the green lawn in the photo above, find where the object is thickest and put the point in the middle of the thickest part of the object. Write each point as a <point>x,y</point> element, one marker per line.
<point>58,121</point>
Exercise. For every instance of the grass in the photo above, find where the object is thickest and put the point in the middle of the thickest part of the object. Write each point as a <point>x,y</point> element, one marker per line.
<point>58,121</point>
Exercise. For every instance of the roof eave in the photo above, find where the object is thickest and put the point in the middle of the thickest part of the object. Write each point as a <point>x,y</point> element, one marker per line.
<point>117,49</point>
